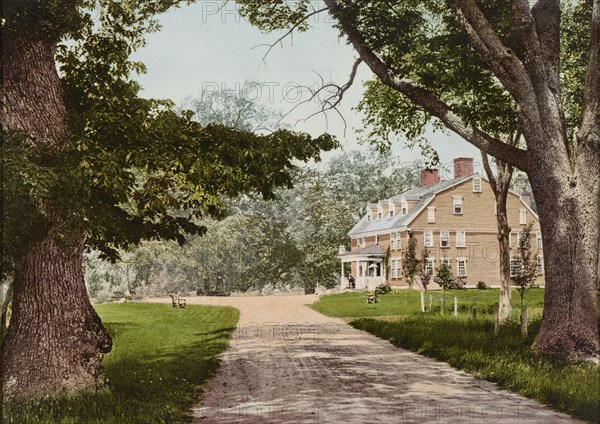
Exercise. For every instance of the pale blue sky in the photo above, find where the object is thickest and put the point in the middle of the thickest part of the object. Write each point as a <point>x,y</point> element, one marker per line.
<point>201,46</point>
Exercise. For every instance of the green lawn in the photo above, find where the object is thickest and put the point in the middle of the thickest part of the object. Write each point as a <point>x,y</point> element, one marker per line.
<point>471,345</point>
<point>160,360</point>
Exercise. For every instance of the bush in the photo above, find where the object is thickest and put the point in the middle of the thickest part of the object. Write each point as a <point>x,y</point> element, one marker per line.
<point>481,285</point>
<point>383,289</point>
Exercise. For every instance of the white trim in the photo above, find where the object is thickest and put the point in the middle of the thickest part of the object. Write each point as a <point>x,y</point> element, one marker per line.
<point>539,264</point>
<point>447,232</point>
<point>464,238</point>
<point>514,259</point>
<point>522,216</point>
<point>457,200</point>
<point>431,214</point>
<point>425,244</point>
<point>458,261</point>
<point>432,260</point>
<point>477,177</point>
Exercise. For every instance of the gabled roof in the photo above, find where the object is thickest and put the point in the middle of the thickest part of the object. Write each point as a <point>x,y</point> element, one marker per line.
<point>423,195</point>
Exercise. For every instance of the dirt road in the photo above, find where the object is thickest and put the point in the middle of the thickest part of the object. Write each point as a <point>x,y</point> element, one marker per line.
<point>290,364</point>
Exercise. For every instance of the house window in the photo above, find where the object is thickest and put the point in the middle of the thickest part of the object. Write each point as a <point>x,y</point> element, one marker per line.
<point>538,239</point>
<point>444,238</point>
<point>360,242</point>
<point>523,216</point>
<point>395,242</point>
<point>429,266</point>
<point>396,268</point>
<point>431,214</point>
<point>461,267</point>
<point>392,209</point>
<point>457,205</point>
<point>444,261</point>
<point>428,238</point>
<point>461,238</point>
<point>379,213</point>
<point>476,184</point>
<point>515,266</point>
<point>377,239</point>
<point>539,265</point>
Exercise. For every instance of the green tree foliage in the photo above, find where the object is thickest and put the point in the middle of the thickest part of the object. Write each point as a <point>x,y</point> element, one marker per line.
<point>524,277</point>
<point>290,241</point>
<point>133,168</point>
<point>444,277</point>
<point>410,261</point>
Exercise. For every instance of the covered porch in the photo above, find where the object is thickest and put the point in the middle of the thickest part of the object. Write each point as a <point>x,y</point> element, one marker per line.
<point>367,268</point>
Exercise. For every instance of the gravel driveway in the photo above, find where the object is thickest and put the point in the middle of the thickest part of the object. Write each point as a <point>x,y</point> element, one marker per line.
<point>290,364</point>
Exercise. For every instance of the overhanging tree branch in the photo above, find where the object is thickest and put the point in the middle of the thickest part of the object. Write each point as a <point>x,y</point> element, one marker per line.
<point>294,26</point>
<point>427,100</point>
<point>501,60</point>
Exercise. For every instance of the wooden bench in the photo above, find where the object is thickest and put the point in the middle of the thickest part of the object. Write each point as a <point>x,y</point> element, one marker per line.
<point>178,302</point>
<point>373,297</point>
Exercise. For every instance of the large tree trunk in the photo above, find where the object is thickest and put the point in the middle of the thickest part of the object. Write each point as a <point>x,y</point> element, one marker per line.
<point>569,217</point>
<point>55,339</point>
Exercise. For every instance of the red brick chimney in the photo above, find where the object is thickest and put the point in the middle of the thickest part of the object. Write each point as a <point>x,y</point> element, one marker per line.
<point>429,177</point>
<point>463,167</point>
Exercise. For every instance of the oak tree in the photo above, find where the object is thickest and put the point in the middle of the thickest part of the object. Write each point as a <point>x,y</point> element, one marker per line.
<point>88,163</point>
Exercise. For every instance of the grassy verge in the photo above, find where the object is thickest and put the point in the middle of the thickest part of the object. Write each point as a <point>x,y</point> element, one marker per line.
<point>471,345</point>
<point>160,360</point>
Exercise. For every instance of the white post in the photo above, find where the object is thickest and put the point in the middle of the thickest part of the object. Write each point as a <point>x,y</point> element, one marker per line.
<point>455,306</point>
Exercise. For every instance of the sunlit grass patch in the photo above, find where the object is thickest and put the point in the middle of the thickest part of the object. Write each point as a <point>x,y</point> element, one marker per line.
<point>160,360</point>
<point>472,345</point>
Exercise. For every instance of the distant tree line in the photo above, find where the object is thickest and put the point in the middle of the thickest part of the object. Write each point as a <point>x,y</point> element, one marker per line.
<point>290,242</point>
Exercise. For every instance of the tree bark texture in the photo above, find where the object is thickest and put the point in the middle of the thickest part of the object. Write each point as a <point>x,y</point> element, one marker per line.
<point>55,339</point>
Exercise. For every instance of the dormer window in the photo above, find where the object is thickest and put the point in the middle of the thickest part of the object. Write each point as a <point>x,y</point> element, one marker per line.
<point>404,207</point>
<point>379,212</point>
<point>476,184</point>
<point>392,210</point>
<point>457,205</point>
<point>369,217</point>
